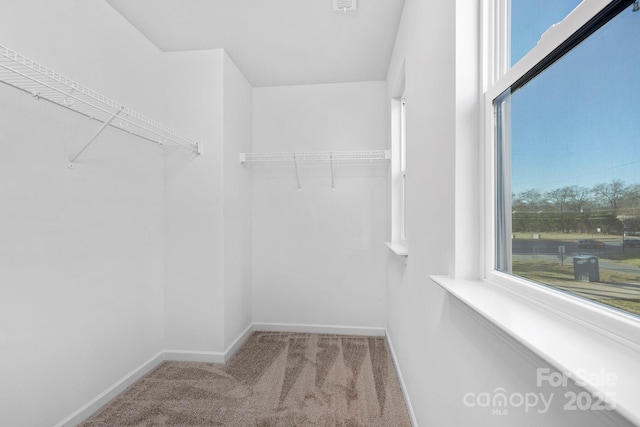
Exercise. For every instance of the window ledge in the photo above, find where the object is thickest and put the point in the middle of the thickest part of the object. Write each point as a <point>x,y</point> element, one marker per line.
<point>398,248</point>
<point>574,347</point>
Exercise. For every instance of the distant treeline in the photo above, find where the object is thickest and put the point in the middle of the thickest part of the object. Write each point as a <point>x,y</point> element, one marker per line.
<point>611,207</point>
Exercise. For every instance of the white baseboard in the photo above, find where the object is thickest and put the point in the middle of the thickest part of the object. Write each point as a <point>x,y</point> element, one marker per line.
<point>319,329</point>
<point>231,350</point>
<point>216,357</point>
<point>403,386</point>
<point>177,355</point>
<point>209,356</point>
<point>103,398</point>
<point>194,356</point>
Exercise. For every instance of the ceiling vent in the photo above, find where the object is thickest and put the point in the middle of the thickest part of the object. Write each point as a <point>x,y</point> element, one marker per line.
<point>344,5</point>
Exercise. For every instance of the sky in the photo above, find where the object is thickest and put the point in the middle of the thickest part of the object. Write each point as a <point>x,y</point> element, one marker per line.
<point>578,123</point>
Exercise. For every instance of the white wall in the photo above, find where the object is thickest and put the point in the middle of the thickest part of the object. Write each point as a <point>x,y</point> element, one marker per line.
<point>237,101</point>
<point>318,253</point>
<point>81,251</point>
<point>136,250</point>
<point>84,253</point>
<point>445,350</point>
<point>194,256</point>
<point>208,207</point>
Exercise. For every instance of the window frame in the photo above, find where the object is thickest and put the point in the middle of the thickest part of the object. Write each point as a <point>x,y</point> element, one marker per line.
<point>397,172</point>
<point>571,334</point>
<point>497,78</point>
<point>402,160</point>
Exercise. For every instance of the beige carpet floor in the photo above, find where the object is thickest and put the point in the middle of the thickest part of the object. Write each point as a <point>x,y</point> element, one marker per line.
<point>275,379</point>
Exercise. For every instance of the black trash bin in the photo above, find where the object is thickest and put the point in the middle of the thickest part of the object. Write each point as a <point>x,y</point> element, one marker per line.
<point>586,266</point>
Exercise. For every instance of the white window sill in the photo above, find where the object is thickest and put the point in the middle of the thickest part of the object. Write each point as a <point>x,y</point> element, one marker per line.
<point>399,248</point>
<point>573,346</point>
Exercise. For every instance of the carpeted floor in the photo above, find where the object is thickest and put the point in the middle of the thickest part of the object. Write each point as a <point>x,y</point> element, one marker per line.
<point>275,379</point>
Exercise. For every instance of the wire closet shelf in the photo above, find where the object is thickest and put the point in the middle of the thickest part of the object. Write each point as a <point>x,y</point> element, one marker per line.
<point>315,156</point>
<point>43,83</point>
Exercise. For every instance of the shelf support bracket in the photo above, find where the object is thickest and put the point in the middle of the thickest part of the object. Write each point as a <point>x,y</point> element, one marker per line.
<point>102,128</point>
<point>295,163</point>
<point>333,186</point>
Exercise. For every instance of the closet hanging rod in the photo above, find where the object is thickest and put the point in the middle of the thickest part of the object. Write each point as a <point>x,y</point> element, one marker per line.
<point>27,75</point>
<point>315,156</point>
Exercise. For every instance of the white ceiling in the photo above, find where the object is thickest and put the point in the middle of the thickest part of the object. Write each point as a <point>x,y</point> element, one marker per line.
<point>276,42</point>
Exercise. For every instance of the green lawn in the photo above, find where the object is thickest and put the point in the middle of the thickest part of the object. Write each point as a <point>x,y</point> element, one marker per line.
<point>628,257</point>
<point>557,275</point>
<point>553,273</point>
<point>543,271</point>
<point>569,237</point>
<point>630,305</point>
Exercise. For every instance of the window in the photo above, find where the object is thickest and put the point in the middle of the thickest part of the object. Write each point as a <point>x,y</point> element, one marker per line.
<point>403,168</point>
<point>398,168</point>
<point>567,150</point>
<point>530,19</point>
